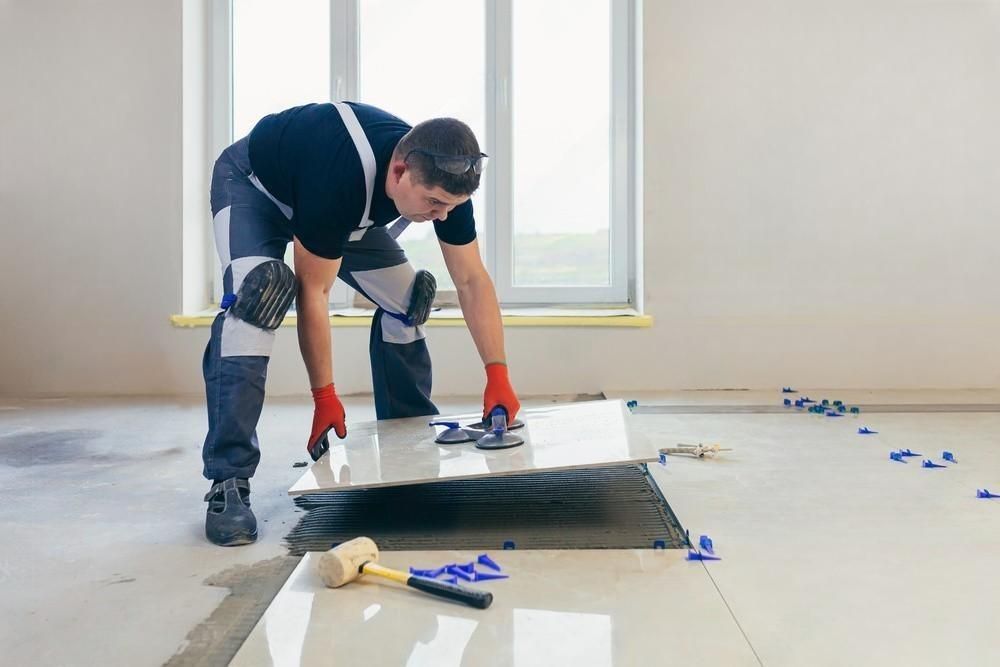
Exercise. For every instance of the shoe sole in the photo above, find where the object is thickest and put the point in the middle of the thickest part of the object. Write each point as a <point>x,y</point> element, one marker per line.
<point>236,540</point>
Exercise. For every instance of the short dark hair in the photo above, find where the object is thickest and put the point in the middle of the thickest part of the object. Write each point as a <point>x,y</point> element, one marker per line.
<point>444,136</point>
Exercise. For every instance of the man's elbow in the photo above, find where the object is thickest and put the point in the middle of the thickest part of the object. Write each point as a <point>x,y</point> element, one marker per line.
<point>313,291</point>
<point>473,282</point>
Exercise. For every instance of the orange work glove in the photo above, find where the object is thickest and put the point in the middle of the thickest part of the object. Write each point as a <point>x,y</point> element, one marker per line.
<point>499,392</point>
<point>328,414</point>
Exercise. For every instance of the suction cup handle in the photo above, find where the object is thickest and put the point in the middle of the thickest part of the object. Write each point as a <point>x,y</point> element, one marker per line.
<point>499,416</point>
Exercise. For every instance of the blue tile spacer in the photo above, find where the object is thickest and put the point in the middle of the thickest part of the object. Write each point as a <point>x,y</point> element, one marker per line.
<point>787,402</point>
<point>456,571</point>
<point>696,554</point>
<point>448,424</point>
<point>659,544</point>
<point>663,458</point>
<point>451,580</point>
<point>705,542</point>
<point>509,545</point>
<point>486,576</point>
<point>855,410</point>
<point>864,430</point>
<point>631,405</point>
<point>985,493</point>
<point>484,559</point>
<point>948,456</point>
<point>806,399</point>
<point>930,464</point>
<point>433,574</point>
<point>907,452</point>
<point>833,413</point>
<point>896,456</point>
<point>787,390</point>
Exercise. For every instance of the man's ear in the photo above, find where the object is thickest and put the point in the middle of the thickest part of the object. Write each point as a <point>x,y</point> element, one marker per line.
<point>397,170</point>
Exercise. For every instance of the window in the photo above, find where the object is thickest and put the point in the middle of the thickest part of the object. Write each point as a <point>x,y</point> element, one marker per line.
<point>555,109</point>
<point>561,144</point>
<point>406,76</point>
<point>280,58</point>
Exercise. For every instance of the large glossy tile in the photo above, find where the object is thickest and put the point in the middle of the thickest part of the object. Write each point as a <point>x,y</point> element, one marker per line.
<point>558,608</point>
<point>832,554</point>
<point>402,451</point>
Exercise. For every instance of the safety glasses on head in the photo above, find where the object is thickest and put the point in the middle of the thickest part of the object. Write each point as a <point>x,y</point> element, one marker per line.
<point>453,164</point>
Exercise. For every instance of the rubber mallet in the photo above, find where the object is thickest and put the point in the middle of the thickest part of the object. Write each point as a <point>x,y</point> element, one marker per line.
<point>349,560</point>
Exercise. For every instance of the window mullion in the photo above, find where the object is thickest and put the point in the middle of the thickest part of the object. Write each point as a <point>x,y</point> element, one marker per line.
<point>344,49</point>
<point>220,85</point>
<point>622,95</point>
<point>499,228</point>
<point>345,31</point>
<point>633,266</point>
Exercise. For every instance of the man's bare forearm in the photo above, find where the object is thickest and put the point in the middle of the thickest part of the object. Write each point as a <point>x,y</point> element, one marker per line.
<point>314,336</point>
<point>481,310</point>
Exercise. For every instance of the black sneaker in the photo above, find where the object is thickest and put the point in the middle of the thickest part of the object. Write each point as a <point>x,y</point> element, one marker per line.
<point>229,521</point>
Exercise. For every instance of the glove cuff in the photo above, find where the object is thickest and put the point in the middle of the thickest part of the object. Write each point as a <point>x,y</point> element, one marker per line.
<point>496,370</point>
<point>323,393</point>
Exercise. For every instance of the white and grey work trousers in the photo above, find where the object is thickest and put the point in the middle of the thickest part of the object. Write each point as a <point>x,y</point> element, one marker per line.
<point>252,227</point>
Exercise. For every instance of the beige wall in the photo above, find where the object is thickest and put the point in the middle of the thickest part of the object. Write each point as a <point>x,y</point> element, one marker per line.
<point>822,193</point>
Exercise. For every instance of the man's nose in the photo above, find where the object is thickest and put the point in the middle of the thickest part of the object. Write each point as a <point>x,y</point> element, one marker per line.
<point>441,215</point>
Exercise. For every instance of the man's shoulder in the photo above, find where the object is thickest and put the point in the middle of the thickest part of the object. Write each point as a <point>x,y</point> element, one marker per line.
<point>369,114</point>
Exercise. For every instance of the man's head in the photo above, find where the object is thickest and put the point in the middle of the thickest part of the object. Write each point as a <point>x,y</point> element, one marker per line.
<point>435,167</point>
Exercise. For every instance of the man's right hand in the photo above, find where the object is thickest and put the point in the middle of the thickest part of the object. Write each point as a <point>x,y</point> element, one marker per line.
<point>327,414</point>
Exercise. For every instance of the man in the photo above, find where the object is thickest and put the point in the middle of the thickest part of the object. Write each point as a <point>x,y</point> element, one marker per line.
<point>329,178</point>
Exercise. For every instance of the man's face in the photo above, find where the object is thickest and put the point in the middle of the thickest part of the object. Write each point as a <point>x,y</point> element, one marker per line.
<point>420,203</point>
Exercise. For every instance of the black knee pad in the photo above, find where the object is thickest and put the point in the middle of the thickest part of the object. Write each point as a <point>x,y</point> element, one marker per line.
<point>422,298</point>
<point>265,295</point>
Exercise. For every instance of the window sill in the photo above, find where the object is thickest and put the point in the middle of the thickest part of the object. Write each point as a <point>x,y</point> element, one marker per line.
<point>452,317</point>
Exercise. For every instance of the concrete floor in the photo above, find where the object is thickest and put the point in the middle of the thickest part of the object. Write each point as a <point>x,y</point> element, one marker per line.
<point>831,554</point>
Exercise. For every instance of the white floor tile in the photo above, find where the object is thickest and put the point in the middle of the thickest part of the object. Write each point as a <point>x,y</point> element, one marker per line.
<point>578,608</point>
<point>834,555</point>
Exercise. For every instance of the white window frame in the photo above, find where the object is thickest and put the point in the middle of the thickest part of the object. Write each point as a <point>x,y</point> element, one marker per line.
<point>497,240</point>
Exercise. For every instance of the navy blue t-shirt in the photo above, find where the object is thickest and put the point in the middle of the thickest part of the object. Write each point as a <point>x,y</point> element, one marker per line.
<point>306,158</point>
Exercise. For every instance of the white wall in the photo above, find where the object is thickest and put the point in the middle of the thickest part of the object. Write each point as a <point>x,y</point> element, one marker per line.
<point>822,193</point>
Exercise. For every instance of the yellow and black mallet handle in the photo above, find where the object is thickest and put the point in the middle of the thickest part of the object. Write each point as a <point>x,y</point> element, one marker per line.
<point>442,589</point>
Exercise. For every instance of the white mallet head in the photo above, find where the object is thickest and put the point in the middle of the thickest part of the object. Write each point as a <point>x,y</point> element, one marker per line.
<point>342,564</point>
